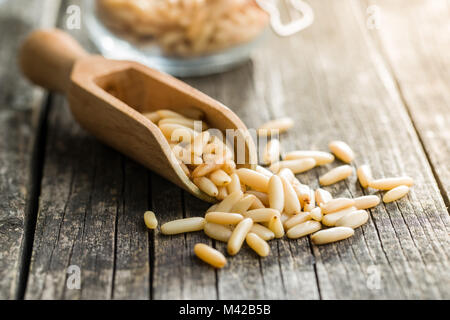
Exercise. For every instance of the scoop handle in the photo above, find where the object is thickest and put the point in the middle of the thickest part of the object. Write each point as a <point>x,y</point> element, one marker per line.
<point>47,57</point>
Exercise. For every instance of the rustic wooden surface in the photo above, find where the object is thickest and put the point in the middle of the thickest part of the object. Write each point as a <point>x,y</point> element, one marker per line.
<point>385,91</point>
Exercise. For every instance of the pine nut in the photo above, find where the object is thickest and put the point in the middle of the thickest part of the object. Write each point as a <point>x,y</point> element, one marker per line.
<point>364,175</point>
<point>210,255</point>
<point>261,196</point>
<point>186,122</point>
<point>297,219</point>
<point>220,178</point>
<point>303,229</point>
<point>226,204</point>
<point>263,232</point>
<point>229,166</point>
<point>312,202</point>
<point>282,125</point>
<point>395,194</point>
<point>332,235</point>
<point>276,193</point>
<point>207,186</point>
<point>337,204</point>
<point>165,113</point>
<point>223,193</point>
<point>217,231</point>
<point>288,174</point>
<point>297,166</point>
<point>184,168</point>
<point>152,116</point>
<point>272,151</point>
<point>261,215</point>
<point>253,179</point>
<point>291,202</point>
<point>204,169</point>
<point>224,218</point>
<point>235,184</point>
<point>285,217</point>
<point>238,236</point>
<point>243,204</point>
<point>335,175</point>
<point>183,225</point>
<point>186,156</point>
<point>366,202</point>
<point>260,246</point>
<point>316,214</point>
<point>177,133</point>
<point>303,193</point>
<point>212,208</point>
<point>322,196</point>
<point>391,183</point>
<point>330,220</point>
<point>276,226</point>
<point>264,171</point>
<point>150,220</point>
<point>199,143</point>
<point>342,151</point>
<point>257,204</point>
<point>353,219</point>
<point>320,156</point>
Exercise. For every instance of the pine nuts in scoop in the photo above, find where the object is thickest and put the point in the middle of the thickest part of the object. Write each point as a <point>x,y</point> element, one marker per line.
<point>332,235</point>
<point>342,151</point>
<point>150,220</point>
<point>260,246</point>
<point>210,255</point>
<point>395,194</point>
<point>335,175</point>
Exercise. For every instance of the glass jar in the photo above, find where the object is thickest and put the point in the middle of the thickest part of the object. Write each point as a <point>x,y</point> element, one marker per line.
<point>180,37</point>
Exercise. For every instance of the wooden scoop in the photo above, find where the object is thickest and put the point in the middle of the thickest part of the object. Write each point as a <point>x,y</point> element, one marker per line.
<point>108,98</point>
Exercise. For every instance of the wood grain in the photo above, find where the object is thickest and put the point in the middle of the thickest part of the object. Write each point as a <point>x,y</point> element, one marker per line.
<point>20,106</point>
<point>420,65</point>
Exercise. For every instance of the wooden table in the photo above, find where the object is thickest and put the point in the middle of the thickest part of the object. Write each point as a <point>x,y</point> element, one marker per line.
<point>67,200</point>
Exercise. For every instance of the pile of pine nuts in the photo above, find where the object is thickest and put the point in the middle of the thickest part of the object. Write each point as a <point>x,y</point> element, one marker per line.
<point>185,27</point>
<point>259,205</point>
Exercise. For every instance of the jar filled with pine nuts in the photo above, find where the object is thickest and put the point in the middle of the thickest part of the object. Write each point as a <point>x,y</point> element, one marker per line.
<point>180,37</point>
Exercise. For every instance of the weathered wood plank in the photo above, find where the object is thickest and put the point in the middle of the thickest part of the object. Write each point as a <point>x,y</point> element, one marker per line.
<point>20,106</point>
<point>177,273</point>
<point>415,40</point>
<point>90,215</point>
